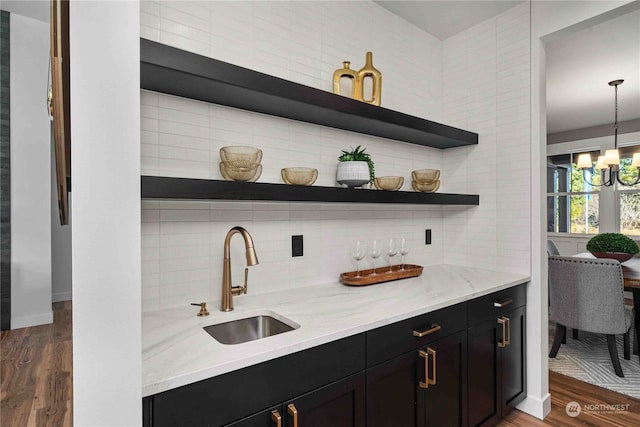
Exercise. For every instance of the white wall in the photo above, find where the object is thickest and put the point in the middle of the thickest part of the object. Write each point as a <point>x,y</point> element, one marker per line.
<point>30,174</point>
<point>548,20</point>
<point>486,90</point>
<point>105,159</point>
<point>304,42</point>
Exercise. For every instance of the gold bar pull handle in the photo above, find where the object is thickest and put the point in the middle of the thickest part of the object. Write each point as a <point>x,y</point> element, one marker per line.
<point>508,340</point>
<point>433,328</point>
<point>428,381</point>
<point>432,352</point>
<point>503,321</point>
<point>276,418</point>
<point>291,408</point>
<point>505,302</point>
<point>425,383</point>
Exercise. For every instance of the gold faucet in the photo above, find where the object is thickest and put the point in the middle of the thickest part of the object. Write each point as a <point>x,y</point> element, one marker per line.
<point>228,291</point>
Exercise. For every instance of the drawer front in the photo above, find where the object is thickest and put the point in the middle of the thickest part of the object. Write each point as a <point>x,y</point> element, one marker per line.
<point>497,303</point>
<point>390,341</point>
<point>229,397</point>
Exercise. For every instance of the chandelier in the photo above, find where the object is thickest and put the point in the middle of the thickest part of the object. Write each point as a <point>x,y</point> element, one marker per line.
<point>611,158</point>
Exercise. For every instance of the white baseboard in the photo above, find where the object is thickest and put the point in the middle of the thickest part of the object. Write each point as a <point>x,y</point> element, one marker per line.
<point>538,408</point>
<point>61,296</point>
<point>35,320</point>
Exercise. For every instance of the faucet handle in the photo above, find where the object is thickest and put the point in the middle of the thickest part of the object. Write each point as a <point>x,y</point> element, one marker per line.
<point>203,308</point>
<point>239,290</point>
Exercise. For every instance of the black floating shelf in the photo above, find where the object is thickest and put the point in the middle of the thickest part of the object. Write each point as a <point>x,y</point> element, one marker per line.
<point>177,72</point>
<point>158,187</point>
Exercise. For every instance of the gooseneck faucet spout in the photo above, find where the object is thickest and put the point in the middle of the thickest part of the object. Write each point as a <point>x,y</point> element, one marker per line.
<point>228,290</point>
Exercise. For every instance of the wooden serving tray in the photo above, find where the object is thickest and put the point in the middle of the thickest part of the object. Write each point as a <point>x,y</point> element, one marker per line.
<point>382,275</point>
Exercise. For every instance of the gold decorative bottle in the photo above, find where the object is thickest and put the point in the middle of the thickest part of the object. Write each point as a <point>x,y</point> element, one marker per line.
<point>369,71</point>
<point>351,75</point>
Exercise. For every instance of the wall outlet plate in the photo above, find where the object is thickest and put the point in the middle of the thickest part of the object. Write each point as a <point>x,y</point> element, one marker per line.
<point>297,245</point>
<point>427,237</point>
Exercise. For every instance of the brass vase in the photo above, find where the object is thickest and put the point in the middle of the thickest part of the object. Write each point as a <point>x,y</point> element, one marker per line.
<point>376,79</point>
<point>350,74</point>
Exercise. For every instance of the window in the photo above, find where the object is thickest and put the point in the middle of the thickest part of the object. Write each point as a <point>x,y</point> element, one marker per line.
<point>630,212</point>
<point>573,205</point>
<point>629,197</point>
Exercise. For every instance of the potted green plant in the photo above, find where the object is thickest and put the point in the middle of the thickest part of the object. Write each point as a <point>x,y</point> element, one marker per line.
<point>613,245</point>
<point>355,168</point>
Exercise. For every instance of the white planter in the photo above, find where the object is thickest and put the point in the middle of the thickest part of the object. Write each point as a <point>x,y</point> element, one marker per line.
<point>352,174</point>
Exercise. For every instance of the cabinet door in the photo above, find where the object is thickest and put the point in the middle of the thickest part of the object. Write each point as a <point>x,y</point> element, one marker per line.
<point>483,373</point>
<point>393,395</point>
<point>341,404</point>
<point>512,364</point>
<point>446,363</point>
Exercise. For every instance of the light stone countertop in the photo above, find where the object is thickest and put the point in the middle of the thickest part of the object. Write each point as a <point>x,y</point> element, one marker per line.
<point>176,351</point>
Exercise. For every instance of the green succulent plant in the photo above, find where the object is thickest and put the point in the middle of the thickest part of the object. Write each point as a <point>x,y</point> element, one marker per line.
<point>612,242</point>
<point>359,155</point>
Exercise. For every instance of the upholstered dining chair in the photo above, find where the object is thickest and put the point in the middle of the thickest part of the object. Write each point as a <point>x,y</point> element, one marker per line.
<point>552,249</point>
<point>587,294</point>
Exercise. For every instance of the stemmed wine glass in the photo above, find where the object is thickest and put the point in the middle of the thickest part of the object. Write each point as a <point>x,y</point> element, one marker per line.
<point>358,252</point>
<point>404,250</point>
<point>376,251</point>
<point>392,250</point>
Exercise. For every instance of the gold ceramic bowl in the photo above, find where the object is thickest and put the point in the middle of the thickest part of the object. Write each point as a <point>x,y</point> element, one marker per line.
<point>240,171</point>
<point>240,153</point>
<point>299,176</point>
<point>431,187</point>
<point>389,183</point>
<point>425,175</point>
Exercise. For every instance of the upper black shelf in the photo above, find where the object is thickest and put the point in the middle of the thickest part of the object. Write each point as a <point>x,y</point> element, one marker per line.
<point>177,72</point>
<point>159,187</point>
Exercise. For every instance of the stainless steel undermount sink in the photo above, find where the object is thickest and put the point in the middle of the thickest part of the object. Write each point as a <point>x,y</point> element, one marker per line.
<point>249,329</point>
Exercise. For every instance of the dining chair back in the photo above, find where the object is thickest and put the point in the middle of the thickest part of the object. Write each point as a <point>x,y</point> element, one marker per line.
<point>552,249</point>
<point>588,295</point>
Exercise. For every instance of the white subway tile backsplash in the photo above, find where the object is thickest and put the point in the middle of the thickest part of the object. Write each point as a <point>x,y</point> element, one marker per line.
<point>487,88</point>
<point>455,82</point>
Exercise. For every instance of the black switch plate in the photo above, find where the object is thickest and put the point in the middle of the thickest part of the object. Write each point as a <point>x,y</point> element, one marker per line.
<point>427,237</point>
<point>297,246</point>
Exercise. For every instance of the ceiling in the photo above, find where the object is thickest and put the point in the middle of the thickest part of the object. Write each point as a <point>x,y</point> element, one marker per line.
<point>579,65</point>
<point>34,9</point>
<point>446,18</point>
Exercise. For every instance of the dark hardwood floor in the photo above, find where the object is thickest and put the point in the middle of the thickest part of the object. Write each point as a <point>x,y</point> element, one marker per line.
<point>35,373</point>
<point>565,389</point>
<point>36,384</point>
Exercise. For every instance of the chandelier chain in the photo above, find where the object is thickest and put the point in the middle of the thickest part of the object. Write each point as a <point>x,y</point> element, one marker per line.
<point>615,124</point>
